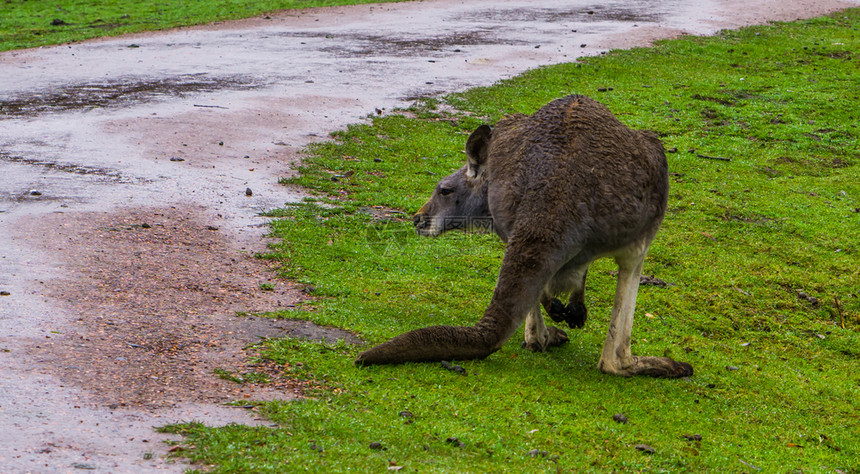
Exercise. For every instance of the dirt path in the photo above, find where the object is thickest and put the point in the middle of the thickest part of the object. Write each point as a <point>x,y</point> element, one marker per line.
<point>126,231</point>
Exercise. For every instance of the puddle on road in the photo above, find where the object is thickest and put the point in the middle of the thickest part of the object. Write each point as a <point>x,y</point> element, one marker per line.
<point>119,92</point>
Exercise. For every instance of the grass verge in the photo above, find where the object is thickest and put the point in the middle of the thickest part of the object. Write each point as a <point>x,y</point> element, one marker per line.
<point>760,251</point>
<point>32,23</point>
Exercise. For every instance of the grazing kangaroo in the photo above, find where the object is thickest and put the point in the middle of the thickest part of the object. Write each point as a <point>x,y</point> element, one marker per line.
<point>563,187</point>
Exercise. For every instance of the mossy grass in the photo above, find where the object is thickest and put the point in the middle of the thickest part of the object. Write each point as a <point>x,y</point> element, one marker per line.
<point>760,251</point>
<point>32,23</point>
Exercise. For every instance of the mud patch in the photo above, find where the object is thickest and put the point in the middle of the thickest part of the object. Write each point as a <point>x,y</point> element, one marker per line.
<point>351,45</point>
<point>107,174</point>
<point>594,13</point>
<point>160,298</point>
<point>118,93</point>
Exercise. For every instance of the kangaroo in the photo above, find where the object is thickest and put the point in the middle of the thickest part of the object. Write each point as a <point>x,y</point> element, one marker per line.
<point>562,187</point>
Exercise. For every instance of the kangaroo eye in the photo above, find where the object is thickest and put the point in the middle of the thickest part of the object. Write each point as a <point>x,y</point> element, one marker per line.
<point>445,191</point>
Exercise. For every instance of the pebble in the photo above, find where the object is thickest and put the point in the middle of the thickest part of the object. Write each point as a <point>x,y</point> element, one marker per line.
<point>248,192</point>
<point>176,158</point>
<point>35,193</point>
<point>5,293</point>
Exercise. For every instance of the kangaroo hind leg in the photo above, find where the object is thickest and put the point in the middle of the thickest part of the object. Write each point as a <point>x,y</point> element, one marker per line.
<point>616,357</point>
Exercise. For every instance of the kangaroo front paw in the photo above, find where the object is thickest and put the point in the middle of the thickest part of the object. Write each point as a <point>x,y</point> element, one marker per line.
<point>574,314</point>
<point>556,310</point>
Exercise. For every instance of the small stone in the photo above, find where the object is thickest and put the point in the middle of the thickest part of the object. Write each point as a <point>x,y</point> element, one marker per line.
<point>35,193</point>
<point>5,293</point>
<point>376,445</point>
<point>145,226</point>
<point>176,158</point>
<point>248,192</point>
<point>211,227</point>
<point>645,448</point>
<point>620,418</point>
<point>221,143</point>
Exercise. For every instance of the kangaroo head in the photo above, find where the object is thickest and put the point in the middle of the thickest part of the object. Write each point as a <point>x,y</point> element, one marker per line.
<point>460,200</point>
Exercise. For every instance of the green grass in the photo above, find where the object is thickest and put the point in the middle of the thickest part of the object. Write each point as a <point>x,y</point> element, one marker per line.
<point>31,23</point>
<point>741,240</point>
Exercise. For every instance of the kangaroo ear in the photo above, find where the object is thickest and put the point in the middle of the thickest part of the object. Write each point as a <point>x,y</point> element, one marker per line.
<point>477,148</point>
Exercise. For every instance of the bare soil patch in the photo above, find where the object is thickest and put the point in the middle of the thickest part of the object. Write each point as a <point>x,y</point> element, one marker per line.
<point>163,300</point>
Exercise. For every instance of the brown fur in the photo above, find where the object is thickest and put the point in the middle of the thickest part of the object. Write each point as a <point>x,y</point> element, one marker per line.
<point>563,187</point>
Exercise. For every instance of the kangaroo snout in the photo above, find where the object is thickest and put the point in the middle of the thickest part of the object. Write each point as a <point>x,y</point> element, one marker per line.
<point>421,222</point>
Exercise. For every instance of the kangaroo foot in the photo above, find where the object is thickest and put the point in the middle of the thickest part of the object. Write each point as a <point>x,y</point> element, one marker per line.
<point>573,314</point>
<point>554,337</point>
<point>649,366</point>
